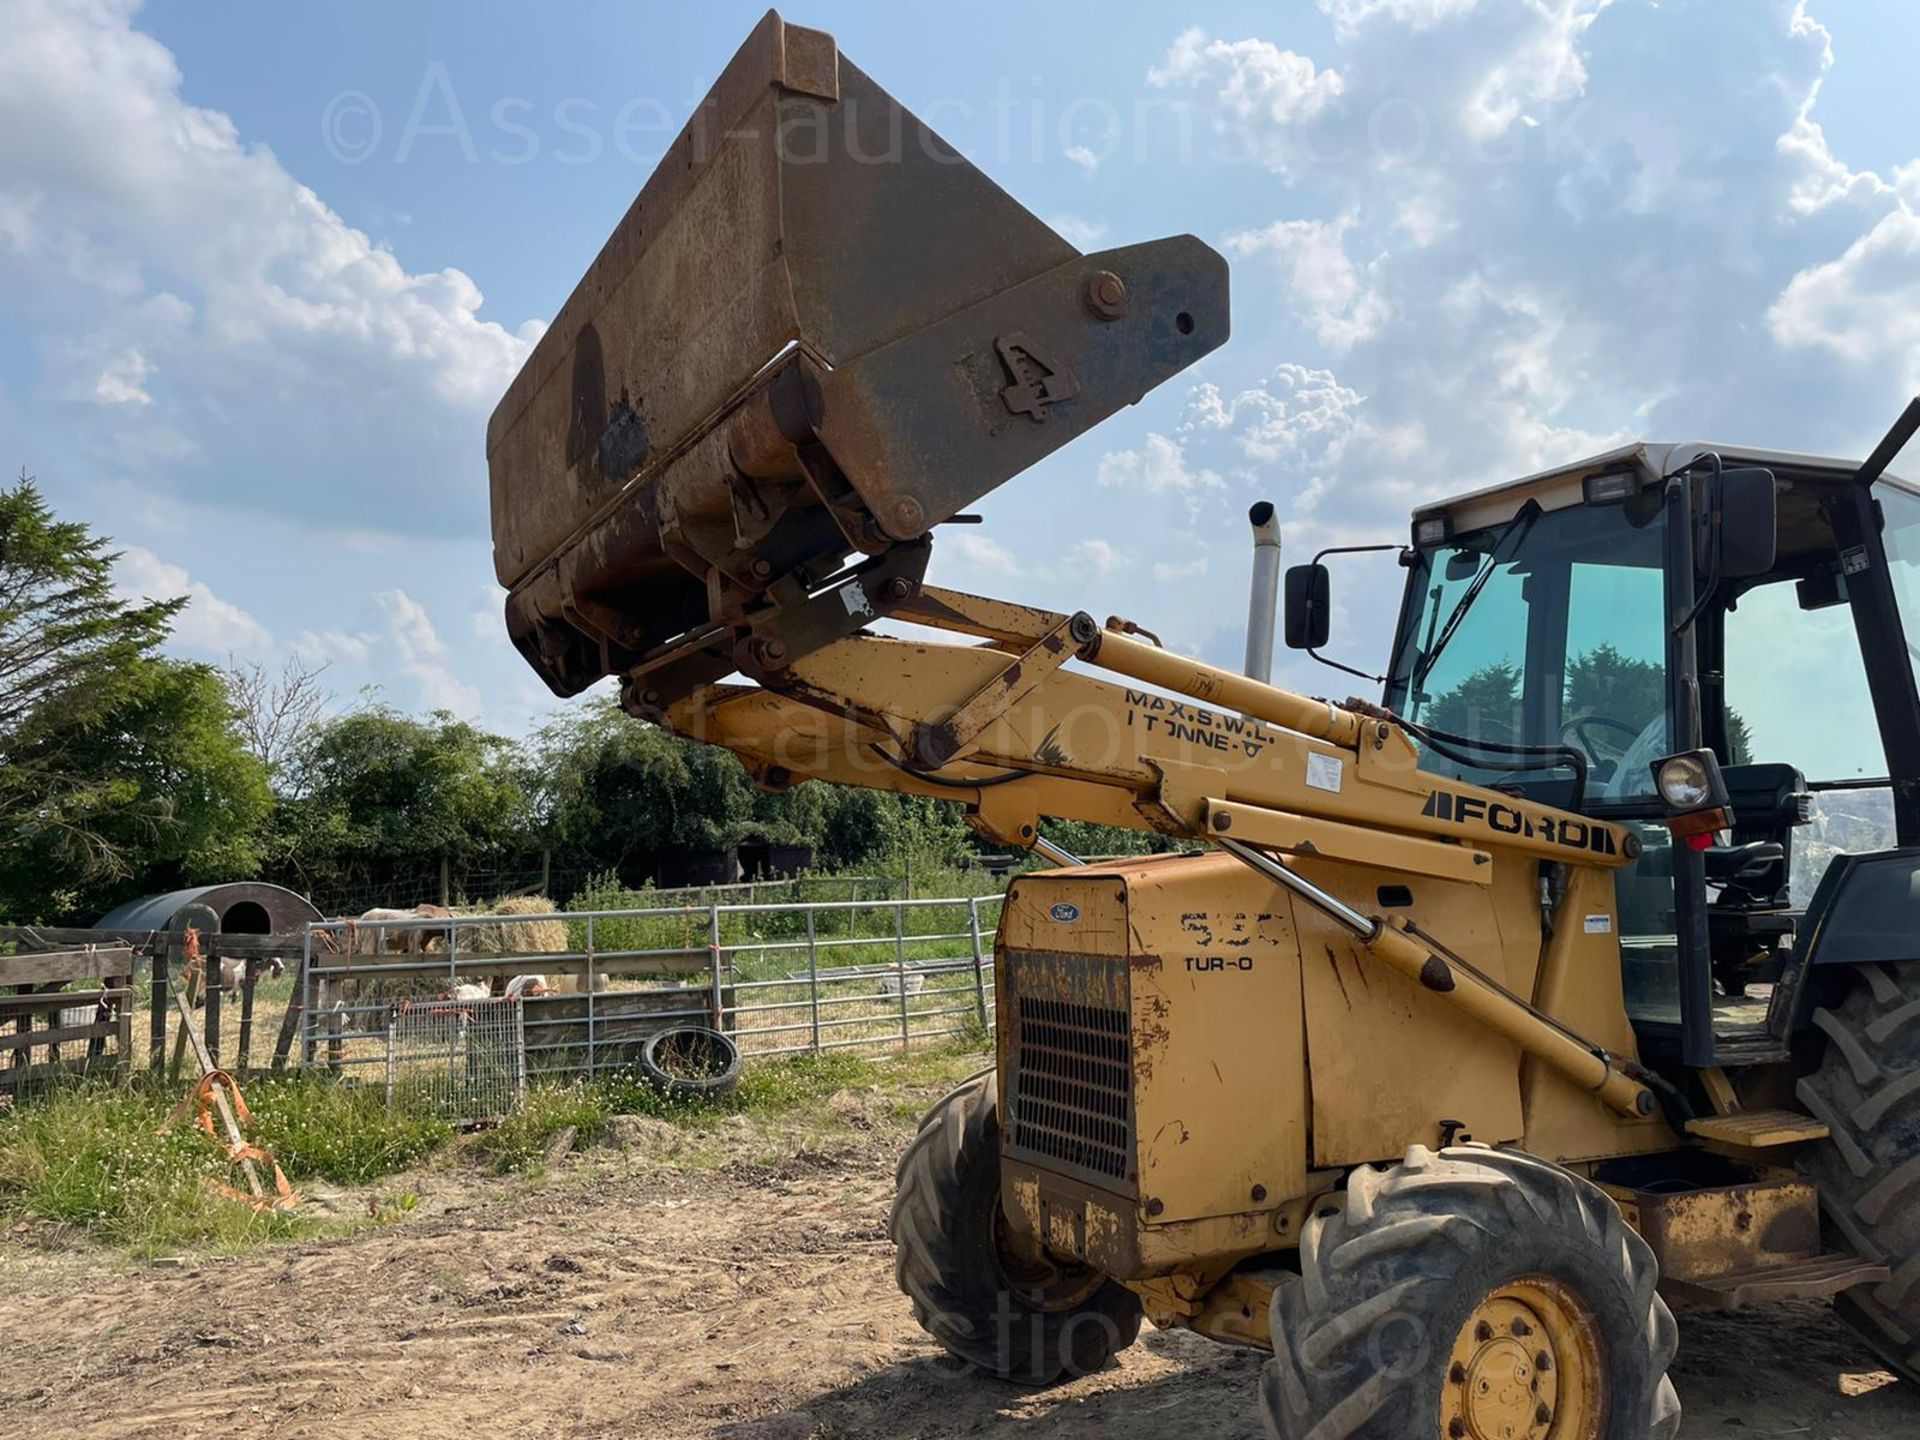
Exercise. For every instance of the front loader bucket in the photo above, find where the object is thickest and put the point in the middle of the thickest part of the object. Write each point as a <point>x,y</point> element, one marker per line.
<point>818,333</point>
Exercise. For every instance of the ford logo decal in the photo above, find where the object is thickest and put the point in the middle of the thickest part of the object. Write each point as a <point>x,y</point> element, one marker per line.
<point>1065,913</point>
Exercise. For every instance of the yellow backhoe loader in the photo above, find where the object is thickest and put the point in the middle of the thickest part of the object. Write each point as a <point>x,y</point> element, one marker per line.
<point>1481,1020</point>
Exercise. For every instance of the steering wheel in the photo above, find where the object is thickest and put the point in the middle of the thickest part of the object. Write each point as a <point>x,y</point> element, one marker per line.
<point>1633,776</point>
<point>1576,730</point>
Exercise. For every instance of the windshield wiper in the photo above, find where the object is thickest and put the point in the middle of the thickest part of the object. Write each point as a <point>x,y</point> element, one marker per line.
<point>1514,533</point>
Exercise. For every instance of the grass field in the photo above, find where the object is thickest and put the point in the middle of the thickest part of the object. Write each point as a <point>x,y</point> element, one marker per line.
<point>110,1159</point>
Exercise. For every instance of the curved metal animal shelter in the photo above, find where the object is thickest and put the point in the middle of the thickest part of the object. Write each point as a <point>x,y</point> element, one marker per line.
<point>244,908</point>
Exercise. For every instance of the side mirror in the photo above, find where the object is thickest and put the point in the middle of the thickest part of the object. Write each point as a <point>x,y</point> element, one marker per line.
<point>1749,524</point>
<point>1309,607</point>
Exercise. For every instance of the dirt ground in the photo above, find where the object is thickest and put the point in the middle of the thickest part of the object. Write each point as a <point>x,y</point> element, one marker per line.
<point>734,1284</point>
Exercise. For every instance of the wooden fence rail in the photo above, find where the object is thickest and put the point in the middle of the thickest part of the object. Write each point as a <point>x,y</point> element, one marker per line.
<point>46,958</point>
<point>45,1016</point>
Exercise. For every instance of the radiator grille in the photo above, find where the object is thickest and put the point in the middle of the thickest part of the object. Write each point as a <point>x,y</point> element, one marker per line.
<point>1072,1084</point>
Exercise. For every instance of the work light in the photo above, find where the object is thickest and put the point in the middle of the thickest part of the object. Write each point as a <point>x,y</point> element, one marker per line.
<point>1690,786</point>
<point>1683,782</point>
<point>1610,487</point>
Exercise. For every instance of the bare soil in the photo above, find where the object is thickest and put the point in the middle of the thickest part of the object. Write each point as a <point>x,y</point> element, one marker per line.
<point>733,1284</point>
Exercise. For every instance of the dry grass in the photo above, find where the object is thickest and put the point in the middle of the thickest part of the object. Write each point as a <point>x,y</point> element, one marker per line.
<point>526,937</point>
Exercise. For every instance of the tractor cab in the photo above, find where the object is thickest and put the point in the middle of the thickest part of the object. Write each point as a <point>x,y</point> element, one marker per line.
<point>1562,635</point>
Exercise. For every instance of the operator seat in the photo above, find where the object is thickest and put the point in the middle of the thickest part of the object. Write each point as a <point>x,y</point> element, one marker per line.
<point>1752,873</point>
<point>1752,920</point>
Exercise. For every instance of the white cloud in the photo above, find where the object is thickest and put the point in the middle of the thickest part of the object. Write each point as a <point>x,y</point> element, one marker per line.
<point>1094,557</point>
<point>1293,410</point>
<point>1822,180</point>
<point>1087,159</point>
<point>1544,66</point>
<point>209,625</point>
<point>485,622</point>
<point>1261,94</point>
<point>1350,15</point>
<point>217,297</point>
<point>1158,467</point>
<point>327,647</point>
<point>1080,233</point>
<point>1343,302</point>
<point>1906,183</point>
<point>1167,570</point>
<point>977,553</point>
<point>1423,219</point>
<point>1864,306</point>
<point>17,222</point>
<point>120,382</point>
<point>424,659</point>
<point>397,643</point>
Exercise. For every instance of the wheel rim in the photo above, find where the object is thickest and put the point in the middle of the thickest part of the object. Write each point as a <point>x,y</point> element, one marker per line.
<point>1526,1365</point>
<point>1036,1279</point>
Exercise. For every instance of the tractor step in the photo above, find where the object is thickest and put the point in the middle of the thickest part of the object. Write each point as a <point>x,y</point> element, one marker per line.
<point>1758,1129</point>
<point>1816,1279</point>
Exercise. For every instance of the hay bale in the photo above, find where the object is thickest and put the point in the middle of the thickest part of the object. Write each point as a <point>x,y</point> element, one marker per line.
<point>419,934</point>
<point>524,937</point>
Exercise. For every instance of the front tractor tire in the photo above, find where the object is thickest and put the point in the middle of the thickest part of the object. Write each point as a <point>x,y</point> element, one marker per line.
<point>1472,1294</point>
<point>1028,1318</point>
<point>1867,1092</point>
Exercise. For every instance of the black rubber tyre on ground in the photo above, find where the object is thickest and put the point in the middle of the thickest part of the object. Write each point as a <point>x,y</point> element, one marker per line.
<point>691,1062</point>
<point>1029,1321</point>
<point>1868,1093</point>
<point>1471,1293</point>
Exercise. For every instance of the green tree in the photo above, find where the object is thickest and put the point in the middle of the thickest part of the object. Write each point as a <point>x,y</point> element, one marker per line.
<point>180,800</point>
<point>381,793</point>
<point>1483,706</point>
<point>612,793</point>
<point>1606,682</point>
<point>1084,837</point>
<point>879,830</point>
<point>70,657</point>
<point>610,790</point>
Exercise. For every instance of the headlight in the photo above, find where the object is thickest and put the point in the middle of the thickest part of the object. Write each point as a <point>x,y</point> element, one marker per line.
<point>1694,794</point>
<point>1683,782</point>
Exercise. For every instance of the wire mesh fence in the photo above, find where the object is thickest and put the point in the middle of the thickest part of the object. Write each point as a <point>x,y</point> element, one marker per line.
<point>589,987</point>
<point>459,1060</point>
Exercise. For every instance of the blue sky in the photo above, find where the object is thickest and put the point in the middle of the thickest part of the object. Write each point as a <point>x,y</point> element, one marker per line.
<point>264,270</point>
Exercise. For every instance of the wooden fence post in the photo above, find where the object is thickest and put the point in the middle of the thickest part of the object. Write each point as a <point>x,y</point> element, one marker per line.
<point>247,983</point>
<point>160,967</point>
<point>292,1022</point>
<point>211,987</point>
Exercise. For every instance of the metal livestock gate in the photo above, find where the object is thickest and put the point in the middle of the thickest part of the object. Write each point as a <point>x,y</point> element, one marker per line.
<point>781,979</point>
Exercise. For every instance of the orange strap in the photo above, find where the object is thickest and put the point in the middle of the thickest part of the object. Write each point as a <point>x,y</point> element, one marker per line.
<point>200,1099</point>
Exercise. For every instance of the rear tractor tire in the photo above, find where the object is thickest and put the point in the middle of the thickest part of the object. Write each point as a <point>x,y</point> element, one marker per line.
<point>1868,1093</point>
<point>1031,1319</point>
<point>1472,1294</point>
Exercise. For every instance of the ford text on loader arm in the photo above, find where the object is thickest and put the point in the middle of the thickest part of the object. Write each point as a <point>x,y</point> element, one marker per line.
<point>1356,1083</point>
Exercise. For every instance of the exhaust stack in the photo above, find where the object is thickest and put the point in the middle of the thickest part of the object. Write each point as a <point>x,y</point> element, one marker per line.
<point>1266,590</point>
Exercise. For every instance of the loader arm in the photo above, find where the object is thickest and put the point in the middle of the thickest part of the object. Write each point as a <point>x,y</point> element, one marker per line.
<point>1005,728</point>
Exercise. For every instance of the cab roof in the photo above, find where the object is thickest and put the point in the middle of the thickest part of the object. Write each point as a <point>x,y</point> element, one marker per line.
<point>1561,486</point>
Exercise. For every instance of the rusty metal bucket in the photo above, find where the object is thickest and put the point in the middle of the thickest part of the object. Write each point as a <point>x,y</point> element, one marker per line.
<point>818,333</point>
